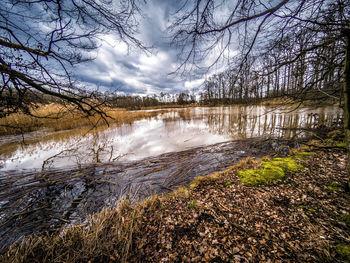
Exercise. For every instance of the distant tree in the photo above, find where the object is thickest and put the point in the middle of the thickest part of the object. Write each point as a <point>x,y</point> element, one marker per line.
<point>182,98</point>
<point>41,41</point>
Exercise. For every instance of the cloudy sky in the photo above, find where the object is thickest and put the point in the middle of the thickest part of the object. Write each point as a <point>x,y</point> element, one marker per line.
<point>137,72</point>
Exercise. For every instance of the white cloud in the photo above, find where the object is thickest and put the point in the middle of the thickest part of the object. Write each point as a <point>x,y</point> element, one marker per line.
<point>132,71</point>
<point>194,84</point>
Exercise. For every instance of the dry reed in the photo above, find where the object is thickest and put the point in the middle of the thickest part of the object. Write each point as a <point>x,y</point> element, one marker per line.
<point>55,117</point>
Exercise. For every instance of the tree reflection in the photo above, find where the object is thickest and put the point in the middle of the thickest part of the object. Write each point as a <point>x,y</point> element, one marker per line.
<point>247,122</point>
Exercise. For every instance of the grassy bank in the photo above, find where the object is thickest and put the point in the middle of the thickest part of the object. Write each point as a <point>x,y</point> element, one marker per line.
<point>55,117</point>
<point>293,209</point>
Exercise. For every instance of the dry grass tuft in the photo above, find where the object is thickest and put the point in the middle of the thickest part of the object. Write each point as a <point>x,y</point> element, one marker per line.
<point>181,191</point>
<point>107,237</point>
<point>205,179</point>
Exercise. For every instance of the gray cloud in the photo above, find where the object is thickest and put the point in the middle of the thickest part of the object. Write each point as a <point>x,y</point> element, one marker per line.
<point>137,72</point>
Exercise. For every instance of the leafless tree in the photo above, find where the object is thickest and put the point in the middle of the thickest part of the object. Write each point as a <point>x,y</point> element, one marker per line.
<point>202,26</point>
<point>42,40</point>
<point>278,48</point>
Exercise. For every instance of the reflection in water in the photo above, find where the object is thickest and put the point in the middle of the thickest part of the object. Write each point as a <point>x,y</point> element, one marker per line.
<point>177,130</point>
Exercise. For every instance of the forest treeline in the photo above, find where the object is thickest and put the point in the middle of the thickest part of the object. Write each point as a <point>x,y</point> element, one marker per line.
<point>113,100</point>
<point>306,65</point>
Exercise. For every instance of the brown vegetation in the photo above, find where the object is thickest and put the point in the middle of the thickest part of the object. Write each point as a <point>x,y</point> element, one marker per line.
<point>56,117</point>
<point>299,219</point>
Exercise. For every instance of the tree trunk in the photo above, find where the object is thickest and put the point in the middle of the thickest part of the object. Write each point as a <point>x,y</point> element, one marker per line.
<point>347,96</point>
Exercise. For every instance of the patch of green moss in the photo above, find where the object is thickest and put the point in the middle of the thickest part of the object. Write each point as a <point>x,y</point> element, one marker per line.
<point>344,251</point>
<point>228,183</point>
<point>346,219</point>
<point>193,204</point>
<point>271,170</point>
<point>287,164</point>
<point>303,155</point>
<point>263,176</point>
<point>342,144</point>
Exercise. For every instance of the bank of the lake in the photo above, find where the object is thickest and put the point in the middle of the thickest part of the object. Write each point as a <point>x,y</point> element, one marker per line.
<point>300,213</point>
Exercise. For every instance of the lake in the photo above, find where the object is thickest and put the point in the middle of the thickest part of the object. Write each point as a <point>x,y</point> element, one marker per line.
<point>175,130</point>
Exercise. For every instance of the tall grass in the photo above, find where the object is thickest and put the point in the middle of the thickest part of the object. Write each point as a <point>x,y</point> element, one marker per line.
<point>55,117</point>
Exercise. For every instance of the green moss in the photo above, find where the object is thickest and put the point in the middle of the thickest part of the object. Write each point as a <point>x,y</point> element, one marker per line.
<point>263,176</point>
<point>193,204</point>
<point>303,155</point>
<point>271,170</point>
<point>287,164</point>
<point>344,251</point>
<point>342,144</point>
<point>228,183</point>
<point>346,219</point>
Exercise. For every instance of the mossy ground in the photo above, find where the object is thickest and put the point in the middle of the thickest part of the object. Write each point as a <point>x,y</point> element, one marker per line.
<point>344,251</point>
<point>272,170</point>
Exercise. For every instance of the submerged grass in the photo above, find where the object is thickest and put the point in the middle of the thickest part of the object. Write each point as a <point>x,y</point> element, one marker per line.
<point>108,235</point>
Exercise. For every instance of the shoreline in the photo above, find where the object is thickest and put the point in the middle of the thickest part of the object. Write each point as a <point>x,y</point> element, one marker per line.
<point>300,218</point>
<point>63,196</point>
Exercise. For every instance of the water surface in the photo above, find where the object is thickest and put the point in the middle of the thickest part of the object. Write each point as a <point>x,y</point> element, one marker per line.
<point>176,130</point>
